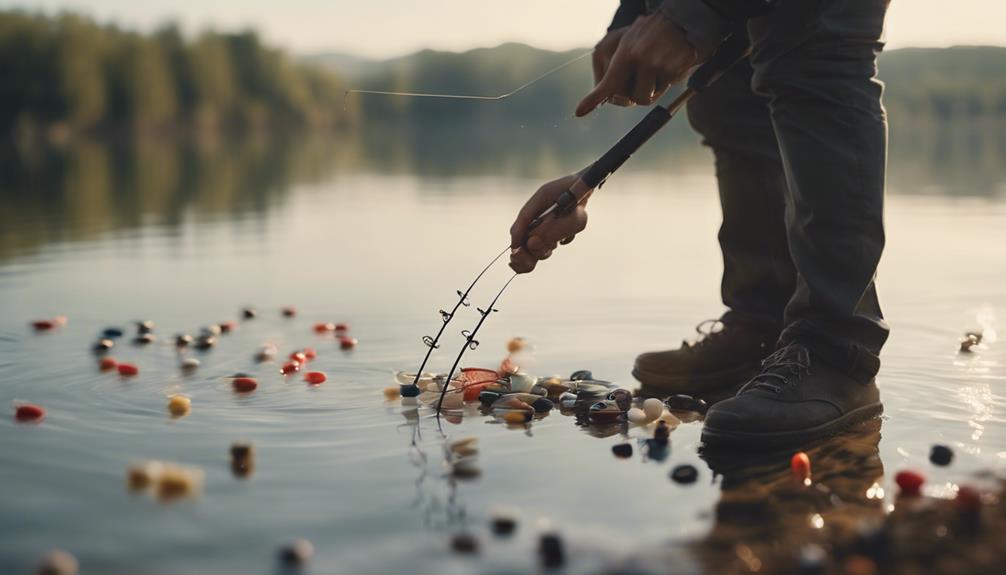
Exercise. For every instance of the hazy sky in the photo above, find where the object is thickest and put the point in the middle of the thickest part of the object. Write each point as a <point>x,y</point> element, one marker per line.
<point>393,27</point>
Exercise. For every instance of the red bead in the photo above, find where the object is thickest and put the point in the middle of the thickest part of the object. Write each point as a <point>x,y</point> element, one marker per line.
<point>310,353</point>
<point>910,482</point>
<point>968,500</point>
<point>43,324</point>
<point>128,369</point>
<point>324,327</point>
<point>800,466</point>
<point>341,327</point>
<point>29,412</point>
<point>107,363</point>
<point>290,367</point>
<point>315,377</point>
<point>298,356</point>
<point>289,312</point>
<point>244,384</point>
<point>347,342</point>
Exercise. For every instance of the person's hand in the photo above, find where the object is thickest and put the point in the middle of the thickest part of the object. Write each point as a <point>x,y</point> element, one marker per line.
<point>604,51</point>
<point>652,54</point>
<point>524,256</point>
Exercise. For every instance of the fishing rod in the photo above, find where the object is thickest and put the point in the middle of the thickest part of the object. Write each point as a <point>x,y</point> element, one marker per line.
<point>432,343</point>
<point>733,49</point>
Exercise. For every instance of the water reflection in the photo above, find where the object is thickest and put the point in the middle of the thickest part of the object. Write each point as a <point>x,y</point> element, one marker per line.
<point>88,188</point>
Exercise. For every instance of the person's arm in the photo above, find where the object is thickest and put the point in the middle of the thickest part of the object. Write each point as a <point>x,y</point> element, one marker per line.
<point>706,22</point>
<point>628,11</point>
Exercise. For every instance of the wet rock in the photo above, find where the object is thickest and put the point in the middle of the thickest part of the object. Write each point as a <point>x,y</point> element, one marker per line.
<point>57,562</point>
<point>662,433</point>
<point>205,342</point>
<point>522,401</point>
<point>267,352</point>
<point>324,327</point>
<point>682,402</point>
<point>799,466</point>
<point>550,387</point>
<point>144,339</point>
<point>622,450</point>
<point>941,455</point>
<point>581,375</point>
<point>107,364</point>
<point>28,412</point>
<point>190,363</point>
<point>183,340</point>
<point>242,459</point>
<point>244,384</point>
<point>568,400</point>
<point>112,332</point>
<point>605,411</point>
<point>179,405</point>
<point>289,311</point>
<point>465,469</point>
<point>909,482</point>
<point>684,473</point>
<point>140,476</point>
<point>127,369</point>
<point>622,397</point>
<point>249,313</point>
<point>210,331</point>
<point>653,407</point>
<point>502,521</point>
<point>967,342</point>
<point>347,342</point>
<point>144,326</point>
<point>408,390</point>
<point>296,553</point>
<point>177,482</point>
<point>517,417</point>
<point>636,415</point>
<point>464,543</point>
<point>551,551</point>
<point>341,328</point>
<point>521,382</point>
<point>103,345</point>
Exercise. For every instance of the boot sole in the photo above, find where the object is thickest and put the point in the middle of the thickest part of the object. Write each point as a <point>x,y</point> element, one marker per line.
<point>710,387</point>
<point>716,438</point>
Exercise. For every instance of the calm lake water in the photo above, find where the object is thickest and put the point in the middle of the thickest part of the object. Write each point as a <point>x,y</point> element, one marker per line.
<point>380,236</point>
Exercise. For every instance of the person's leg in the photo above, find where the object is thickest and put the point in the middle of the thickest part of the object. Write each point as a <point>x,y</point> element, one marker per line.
<point>816,62</point>
<point>758,276</point>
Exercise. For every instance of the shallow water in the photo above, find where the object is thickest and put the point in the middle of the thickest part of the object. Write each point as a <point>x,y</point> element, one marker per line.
<point>383,249</point>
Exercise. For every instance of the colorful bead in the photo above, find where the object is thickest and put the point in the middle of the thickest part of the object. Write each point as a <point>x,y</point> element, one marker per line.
<point>910,482</point>
<point>29,412</point>
<point>799,466</point>
<point>315,377</point>
<point>244,384</point>
<point>128,369</point>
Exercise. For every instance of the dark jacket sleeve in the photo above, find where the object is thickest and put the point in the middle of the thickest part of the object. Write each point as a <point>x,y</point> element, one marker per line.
<point>628,11</point>
<point>707,22</point>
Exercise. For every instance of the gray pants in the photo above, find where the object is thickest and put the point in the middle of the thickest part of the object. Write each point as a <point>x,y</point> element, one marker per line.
<point>800,141</point>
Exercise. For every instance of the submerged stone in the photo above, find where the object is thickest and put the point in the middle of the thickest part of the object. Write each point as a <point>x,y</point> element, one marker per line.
<point>622,450</point>
<point>682,402</point>
<point>57,562</point>
<point>144,339</point>
<point>144,326</point>
<point>605,411</point>
<point>289,311</point>
<point>622,397</point>
<point>190,363</point>
<point>521,382</point>
<point>464,543</point>
<point>249,313</point>
<point>205,342</point>
<point>685,474</point>
<point>242,459</point>
<point>551,551</point>
<point>296,553</point>
<point>103,345</point>
<point>502,521</point>
<point>581,375</point>
<point>183,340</point>
<point>941,455</point>
<point>211,330</point>
<point>113,332</point>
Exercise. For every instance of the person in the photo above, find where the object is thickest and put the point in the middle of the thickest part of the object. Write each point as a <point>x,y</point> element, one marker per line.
<point>799,138</point>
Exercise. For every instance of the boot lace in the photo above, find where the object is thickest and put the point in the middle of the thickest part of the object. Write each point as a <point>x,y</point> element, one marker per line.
<point>783,367</point>
<point>708,330</point>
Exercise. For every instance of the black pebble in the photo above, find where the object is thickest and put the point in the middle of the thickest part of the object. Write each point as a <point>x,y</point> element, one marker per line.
<point>941,455</point>
<point>144,338</point>
<point>249,313</point>
<point>684,402</point>
<point>465,543</point>
<point>408,390</point>
<point>542,405</point>
<point>103,345</point>
<point>662,433</point>
<point>581,375</point>
<point>685,474</point>
<point>550,548</point>
<point>112,332</point>
<point>145,326</point>
<point>503,525</point>
<point>183,340</point>
<point>622,450</point>
<point>205,342</point>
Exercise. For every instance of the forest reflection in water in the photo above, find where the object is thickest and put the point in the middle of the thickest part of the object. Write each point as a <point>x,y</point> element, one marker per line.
<point>89,187</point>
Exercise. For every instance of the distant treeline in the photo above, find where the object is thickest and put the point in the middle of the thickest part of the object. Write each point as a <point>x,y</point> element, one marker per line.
<point>68,74</point>
<point>69,71</point>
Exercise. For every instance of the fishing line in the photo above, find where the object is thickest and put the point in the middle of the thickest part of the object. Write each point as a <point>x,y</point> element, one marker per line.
<point>468,96</point>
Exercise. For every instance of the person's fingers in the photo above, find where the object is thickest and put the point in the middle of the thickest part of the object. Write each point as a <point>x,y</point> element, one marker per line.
<point>614,79</point>
<point>537,246</point>
<point>642,92</point>
<point>545,255</point>
<point>621,101</point>
<point>600,62</point>
<point>661,85</point>
<point>521,261</point>
<point>534,207</point>
<point>548,235</point>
